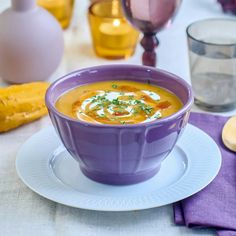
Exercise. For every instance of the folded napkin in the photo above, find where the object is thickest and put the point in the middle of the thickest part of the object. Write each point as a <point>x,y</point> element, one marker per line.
<point>228,5</point>
<point>215,205</point>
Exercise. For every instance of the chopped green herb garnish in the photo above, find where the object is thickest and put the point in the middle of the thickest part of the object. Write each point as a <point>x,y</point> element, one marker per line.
<point>137,102</point>
<point>114,86</point>
<point>157,116</point>
<point>146,108</point>
<point>115,101</point>
<point>134,111</point>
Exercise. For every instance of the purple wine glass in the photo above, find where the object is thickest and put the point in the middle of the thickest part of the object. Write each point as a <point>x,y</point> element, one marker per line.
<point>150,16</point>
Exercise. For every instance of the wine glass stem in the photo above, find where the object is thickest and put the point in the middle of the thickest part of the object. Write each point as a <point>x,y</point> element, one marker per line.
<point>149,42</point>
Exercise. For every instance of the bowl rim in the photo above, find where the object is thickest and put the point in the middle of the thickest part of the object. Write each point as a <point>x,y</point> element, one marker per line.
<point>185,108</point>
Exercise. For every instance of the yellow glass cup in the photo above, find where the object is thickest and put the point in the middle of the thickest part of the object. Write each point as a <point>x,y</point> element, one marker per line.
<point>61,9</point>
<point>113,37</point>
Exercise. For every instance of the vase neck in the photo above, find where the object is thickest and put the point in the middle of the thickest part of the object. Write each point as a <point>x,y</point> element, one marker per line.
<point>23,5</point>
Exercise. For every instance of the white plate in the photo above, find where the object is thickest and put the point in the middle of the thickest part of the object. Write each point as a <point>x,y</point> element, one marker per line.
<point>47,168</point>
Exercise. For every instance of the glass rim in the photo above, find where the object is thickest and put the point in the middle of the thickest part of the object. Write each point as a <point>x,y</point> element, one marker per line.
<point>91,12</point>
<point>205,42</point>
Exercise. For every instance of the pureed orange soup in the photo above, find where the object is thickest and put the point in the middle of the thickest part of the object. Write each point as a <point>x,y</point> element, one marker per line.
<point>118,102</point>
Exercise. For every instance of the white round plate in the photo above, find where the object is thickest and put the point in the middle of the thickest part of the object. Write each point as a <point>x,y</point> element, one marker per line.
<point>47,168</point>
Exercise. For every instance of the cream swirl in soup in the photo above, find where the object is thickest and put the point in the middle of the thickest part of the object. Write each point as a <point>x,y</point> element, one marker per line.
<point>118,102</point>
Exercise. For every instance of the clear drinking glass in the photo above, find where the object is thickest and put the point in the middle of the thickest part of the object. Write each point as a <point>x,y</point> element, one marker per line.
<point>212,55</point>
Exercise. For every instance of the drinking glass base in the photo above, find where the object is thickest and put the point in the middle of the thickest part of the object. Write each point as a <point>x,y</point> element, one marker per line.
<point>215,108</point>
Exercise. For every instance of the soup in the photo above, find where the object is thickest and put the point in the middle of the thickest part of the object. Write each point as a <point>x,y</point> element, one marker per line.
<point>118,102</point>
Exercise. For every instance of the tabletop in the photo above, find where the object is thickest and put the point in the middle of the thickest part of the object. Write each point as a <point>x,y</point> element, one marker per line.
<point>23,212</point>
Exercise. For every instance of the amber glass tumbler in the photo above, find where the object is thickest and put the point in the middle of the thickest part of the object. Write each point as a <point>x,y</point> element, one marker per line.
<point>113,37</point>
<point>61,9</point>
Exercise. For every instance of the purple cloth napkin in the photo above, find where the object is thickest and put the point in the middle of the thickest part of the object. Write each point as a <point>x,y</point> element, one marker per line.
<point>228,5</point>
<point>215,205</point>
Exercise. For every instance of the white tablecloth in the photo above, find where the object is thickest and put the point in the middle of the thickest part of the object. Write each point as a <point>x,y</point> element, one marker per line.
<point>23,212</point>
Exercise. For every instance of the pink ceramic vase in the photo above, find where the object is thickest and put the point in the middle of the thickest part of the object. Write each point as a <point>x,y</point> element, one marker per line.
<point>31,43</point>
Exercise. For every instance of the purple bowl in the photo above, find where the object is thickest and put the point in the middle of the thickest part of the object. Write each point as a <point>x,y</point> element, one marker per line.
<point>120,154</point>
